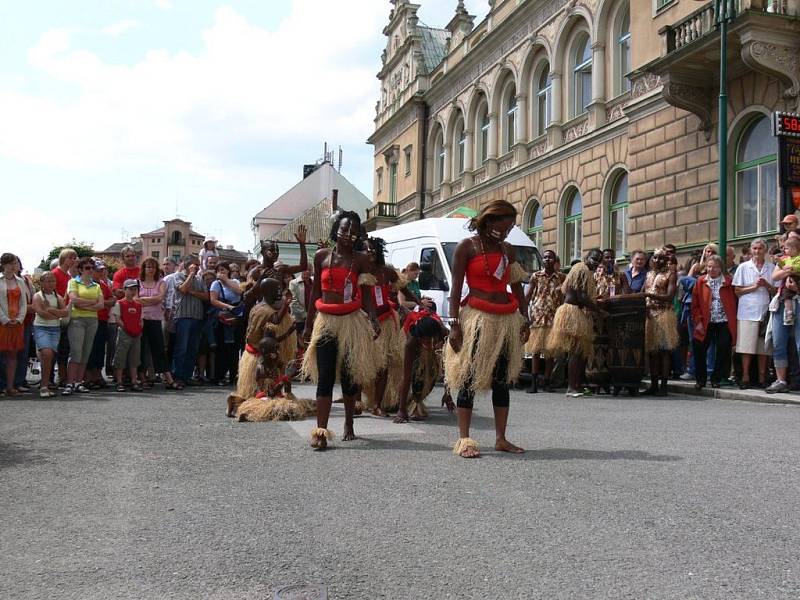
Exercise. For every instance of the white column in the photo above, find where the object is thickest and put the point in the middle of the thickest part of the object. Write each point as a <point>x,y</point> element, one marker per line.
<point>521,122</point>
<point>446,177</point>
<point>598,72</point>
<point>493,134</point>
<point>468,145</point>
<point>556,92</point>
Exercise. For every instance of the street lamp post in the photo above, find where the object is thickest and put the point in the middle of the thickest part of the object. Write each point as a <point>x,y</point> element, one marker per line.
<point>724,14</point>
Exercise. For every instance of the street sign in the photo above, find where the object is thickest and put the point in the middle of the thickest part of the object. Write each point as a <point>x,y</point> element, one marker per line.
<point>786,126</point>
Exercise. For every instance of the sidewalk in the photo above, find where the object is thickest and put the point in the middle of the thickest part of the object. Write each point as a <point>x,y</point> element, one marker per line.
<point>734,393</point>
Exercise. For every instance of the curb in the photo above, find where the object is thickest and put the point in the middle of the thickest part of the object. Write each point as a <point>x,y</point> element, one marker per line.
<point>759,396</point>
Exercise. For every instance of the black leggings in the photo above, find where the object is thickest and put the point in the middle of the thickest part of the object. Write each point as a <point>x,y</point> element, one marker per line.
<point>153,338</point>
<point>327,351</point>
<point>501,398</point>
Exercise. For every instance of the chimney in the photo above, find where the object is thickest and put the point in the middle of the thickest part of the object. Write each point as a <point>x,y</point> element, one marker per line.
<point>228,247</point>
<point>335,201</point>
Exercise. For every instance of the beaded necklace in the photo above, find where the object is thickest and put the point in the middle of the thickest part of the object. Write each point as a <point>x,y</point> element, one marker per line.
<point>504,259</point>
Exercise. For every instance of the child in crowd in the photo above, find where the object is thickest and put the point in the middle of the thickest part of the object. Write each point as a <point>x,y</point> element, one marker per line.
<point>791,263</point>
<point>128,312</point>
<point>209,249</point>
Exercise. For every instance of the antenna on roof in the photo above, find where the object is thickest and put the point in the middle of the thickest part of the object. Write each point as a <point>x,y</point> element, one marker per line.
<point>340,159</point>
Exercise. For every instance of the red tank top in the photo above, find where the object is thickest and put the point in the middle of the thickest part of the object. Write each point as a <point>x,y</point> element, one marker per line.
<point>481,270</point>
<point>334,280</point>
<point>415,316</point>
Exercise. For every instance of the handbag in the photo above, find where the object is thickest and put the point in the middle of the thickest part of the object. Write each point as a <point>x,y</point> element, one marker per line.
<point>230,318</point>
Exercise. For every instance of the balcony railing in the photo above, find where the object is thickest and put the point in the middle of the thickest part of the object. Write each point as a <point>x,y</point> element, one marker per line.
<point>701,21</point>
<point>382,209</point>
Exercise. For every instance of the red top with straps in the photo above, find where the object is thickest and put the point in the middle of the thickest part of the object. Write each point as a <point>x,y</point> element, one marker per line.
<point>334,279</point>
<point>385,301</point>
<point>479,279</point>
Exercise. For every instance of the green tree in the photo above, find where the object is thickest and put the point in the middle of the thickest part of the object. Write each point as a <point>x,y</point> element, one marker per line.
<point>82,249</point>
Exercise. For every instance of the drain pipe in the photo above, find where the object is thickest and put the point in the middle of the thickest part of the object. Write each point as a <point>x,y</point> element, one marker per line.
<point>422,161</point>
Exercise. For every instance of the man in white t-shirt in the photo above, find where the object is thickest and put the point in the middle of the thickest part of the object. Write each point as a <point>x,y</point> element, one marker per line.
<point>754,287</point>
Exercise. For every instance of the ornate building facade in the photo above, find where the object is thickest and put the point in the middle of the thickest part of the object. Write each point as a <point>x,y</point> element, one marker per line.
<point>596,118</point>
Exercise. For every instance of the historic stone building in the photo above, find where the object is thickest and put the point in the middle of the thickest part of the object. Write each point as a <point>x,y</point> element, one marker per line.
<point>597,118</point>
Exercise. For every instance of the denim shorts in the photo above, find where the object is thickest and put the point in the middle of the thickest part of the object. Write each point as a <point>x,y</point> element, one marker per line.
<point>47,337</point>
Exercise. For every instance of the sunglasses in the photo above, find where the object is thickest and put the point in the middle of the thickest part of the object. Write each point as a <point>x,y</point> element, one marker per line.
<point>88,268</point>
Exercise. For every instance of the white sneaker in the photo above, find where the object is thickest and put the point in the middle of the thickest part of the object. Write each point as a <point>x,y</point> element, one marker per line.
<point>686,377</point>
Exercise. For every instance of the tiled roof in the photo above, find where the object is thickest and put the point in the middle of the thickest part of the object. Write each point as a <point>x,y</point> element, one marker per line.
<point>117,248</point>
<point>317,220</point>
<point>234,255</point>
<point>434,46</point>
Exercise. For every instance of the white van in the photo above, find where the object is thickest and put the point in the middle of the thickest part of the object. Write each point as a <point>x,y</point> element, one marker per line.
<point>432,242</point>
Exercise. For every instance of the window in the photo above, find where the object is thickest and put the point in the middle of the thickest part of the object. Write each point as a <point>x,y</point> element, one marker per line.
<point>393,182</point>
<point>407,155</point>
<point>461,141</point>
<point>573,220</point>
<point>440,157</point>
<point>379,177</point>
<point>536,224</point>
<point>155,254</point>
<point>544,89</point>
<point>510,117</point>
<point>483,122</point>
<point>431,275</point>
<point>755,180</point>
<point>176,257</point>
<point>662,3</point>
<point>582,76</point>
<point>618,209</point>
<point>623,53</point>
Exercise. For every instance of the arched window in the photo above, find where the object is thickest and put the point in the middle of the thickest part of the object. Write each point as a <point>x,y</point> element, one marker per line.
<point>483,126</point>
<point>510,108</point>
<point>618,213</point>
<point>461,143</point>
<point>756,180</point>
<point>623,52</point>
<point>439,157</point>
<point>544,87</point>
<point>581,75</point>
<point>573,221</point>
<point>536,224</point>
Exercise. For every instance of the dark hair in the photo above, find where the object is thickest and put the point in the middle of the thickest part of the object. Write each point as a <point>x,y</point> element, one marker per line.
<point>553,252</point>
<point>190,259</point>
<point>670,246</point>
<point>223,265</point>
<point>7,258</point>
<point>341,216</point>
<point>151,261</point>
<point>380,250</point>
<point>87,260</point>
<point>494,211</point>
<point>412,266</point>
<point>595,252</point>
<point>426,327</point>
<point>612,251</point>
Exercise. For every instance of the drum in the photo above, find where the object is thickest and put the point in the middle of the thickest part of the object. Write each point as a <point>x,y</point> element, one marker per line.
<point>625,351</point>
<point>597,374</point>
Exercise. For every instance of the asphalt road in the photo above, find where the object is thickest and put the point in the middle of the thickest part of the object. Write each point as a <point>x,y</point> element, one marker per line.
<point>161,496</point>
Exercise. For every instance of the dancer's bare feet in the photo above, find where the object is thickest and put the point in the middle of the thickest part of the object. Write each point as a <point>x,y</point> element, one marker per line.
<point>349,433</point>
<point>470,452</point>
<point>503,445</point>
<point>402,417</point>
<point>378,412</point>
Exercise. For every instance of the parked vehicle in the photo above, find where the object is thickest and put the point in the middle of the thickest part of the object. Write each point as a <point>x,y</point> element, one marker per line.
<point>432,243</point>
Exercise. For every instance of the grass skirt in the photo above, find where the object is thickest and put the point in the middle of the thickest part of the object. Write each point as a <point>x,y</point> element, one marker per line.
<point>537,342</point>
<point>572,332</point>
<point>246,384</point>
<point>485,337</point>
<point>390,347</point>
<point>661,330</point>
<point>287,351</point>
<point>275,409</point>
<point>426,372</point>
<point>357,350</point>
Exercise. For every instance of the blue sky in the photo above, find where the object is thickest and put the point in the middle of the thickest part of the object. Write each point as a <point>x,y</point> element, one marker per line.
<point>118,114</point>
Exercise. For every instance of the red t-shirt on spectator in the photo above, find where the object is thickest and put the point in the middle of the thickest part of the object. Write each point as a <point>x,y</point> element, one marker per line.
<point>103,314</point>
<point>125,273</point>
<point>130,314</point>
<point>62,281</point>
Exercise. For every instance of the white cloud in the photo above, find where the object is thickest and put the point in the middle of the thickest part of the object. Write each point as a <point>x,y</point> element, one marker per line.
<point>247,86</point>
<point>117,29</point>
<point>163,4</point>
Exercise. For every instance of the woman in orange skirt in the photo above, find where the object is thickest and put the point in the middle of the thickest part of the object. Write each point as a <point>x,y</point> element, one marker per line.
<point>12,316</point>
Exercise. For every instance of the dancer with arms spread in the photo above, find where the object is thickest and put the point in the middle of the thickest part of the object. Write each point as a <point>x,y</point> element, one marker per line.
<point>339,333</point>
<point>488,331</point>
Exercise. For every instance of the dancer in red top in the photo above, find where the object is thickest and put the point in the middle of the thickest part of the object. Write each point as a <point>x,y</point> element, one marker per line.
<point>490,327</point>
<point>339,333</point>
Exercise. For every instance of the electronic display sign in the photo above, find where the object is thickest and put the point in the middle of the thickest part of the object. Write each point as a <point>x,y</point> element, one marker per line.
<point>786,124</point>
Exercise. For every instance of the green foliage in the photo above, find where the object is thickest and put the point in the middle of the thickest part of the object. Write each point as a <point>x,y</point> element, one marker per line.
<point>82,249</point>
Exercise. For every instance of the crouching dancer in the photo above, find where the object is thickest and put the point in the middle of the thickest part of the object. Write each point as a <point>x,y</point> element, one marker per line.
<point>486,336</point>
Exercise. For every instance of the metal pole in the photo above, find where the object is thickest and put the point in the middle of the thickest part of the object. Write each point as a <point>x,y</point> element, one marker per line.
<point>723,136</point>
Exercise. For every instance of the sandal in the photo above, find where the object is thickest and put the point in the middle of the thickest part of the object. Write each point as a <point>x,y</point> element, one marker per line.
<point>82,388</point>
<point>467,448</point>
<point>120,387</point>
<point>136,387</point>
<point>173,386</point>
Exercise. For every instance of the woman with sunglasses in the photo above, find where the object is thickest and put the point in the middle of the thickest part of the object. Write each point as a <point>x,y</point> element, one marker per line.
<point>339,334</point>
<point>86,299</point>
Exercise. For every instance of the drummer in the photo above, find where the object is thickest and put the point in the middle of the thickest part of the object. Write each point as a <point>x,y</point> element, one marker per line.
<point>544,296</point>
<point>609,281</point>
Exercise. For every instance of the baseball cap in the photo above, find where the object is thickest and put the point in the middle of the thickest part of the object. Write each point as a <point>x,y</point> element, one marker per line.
<point>99,264</point>
<point>131,283</point>
<point>789,219</point>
